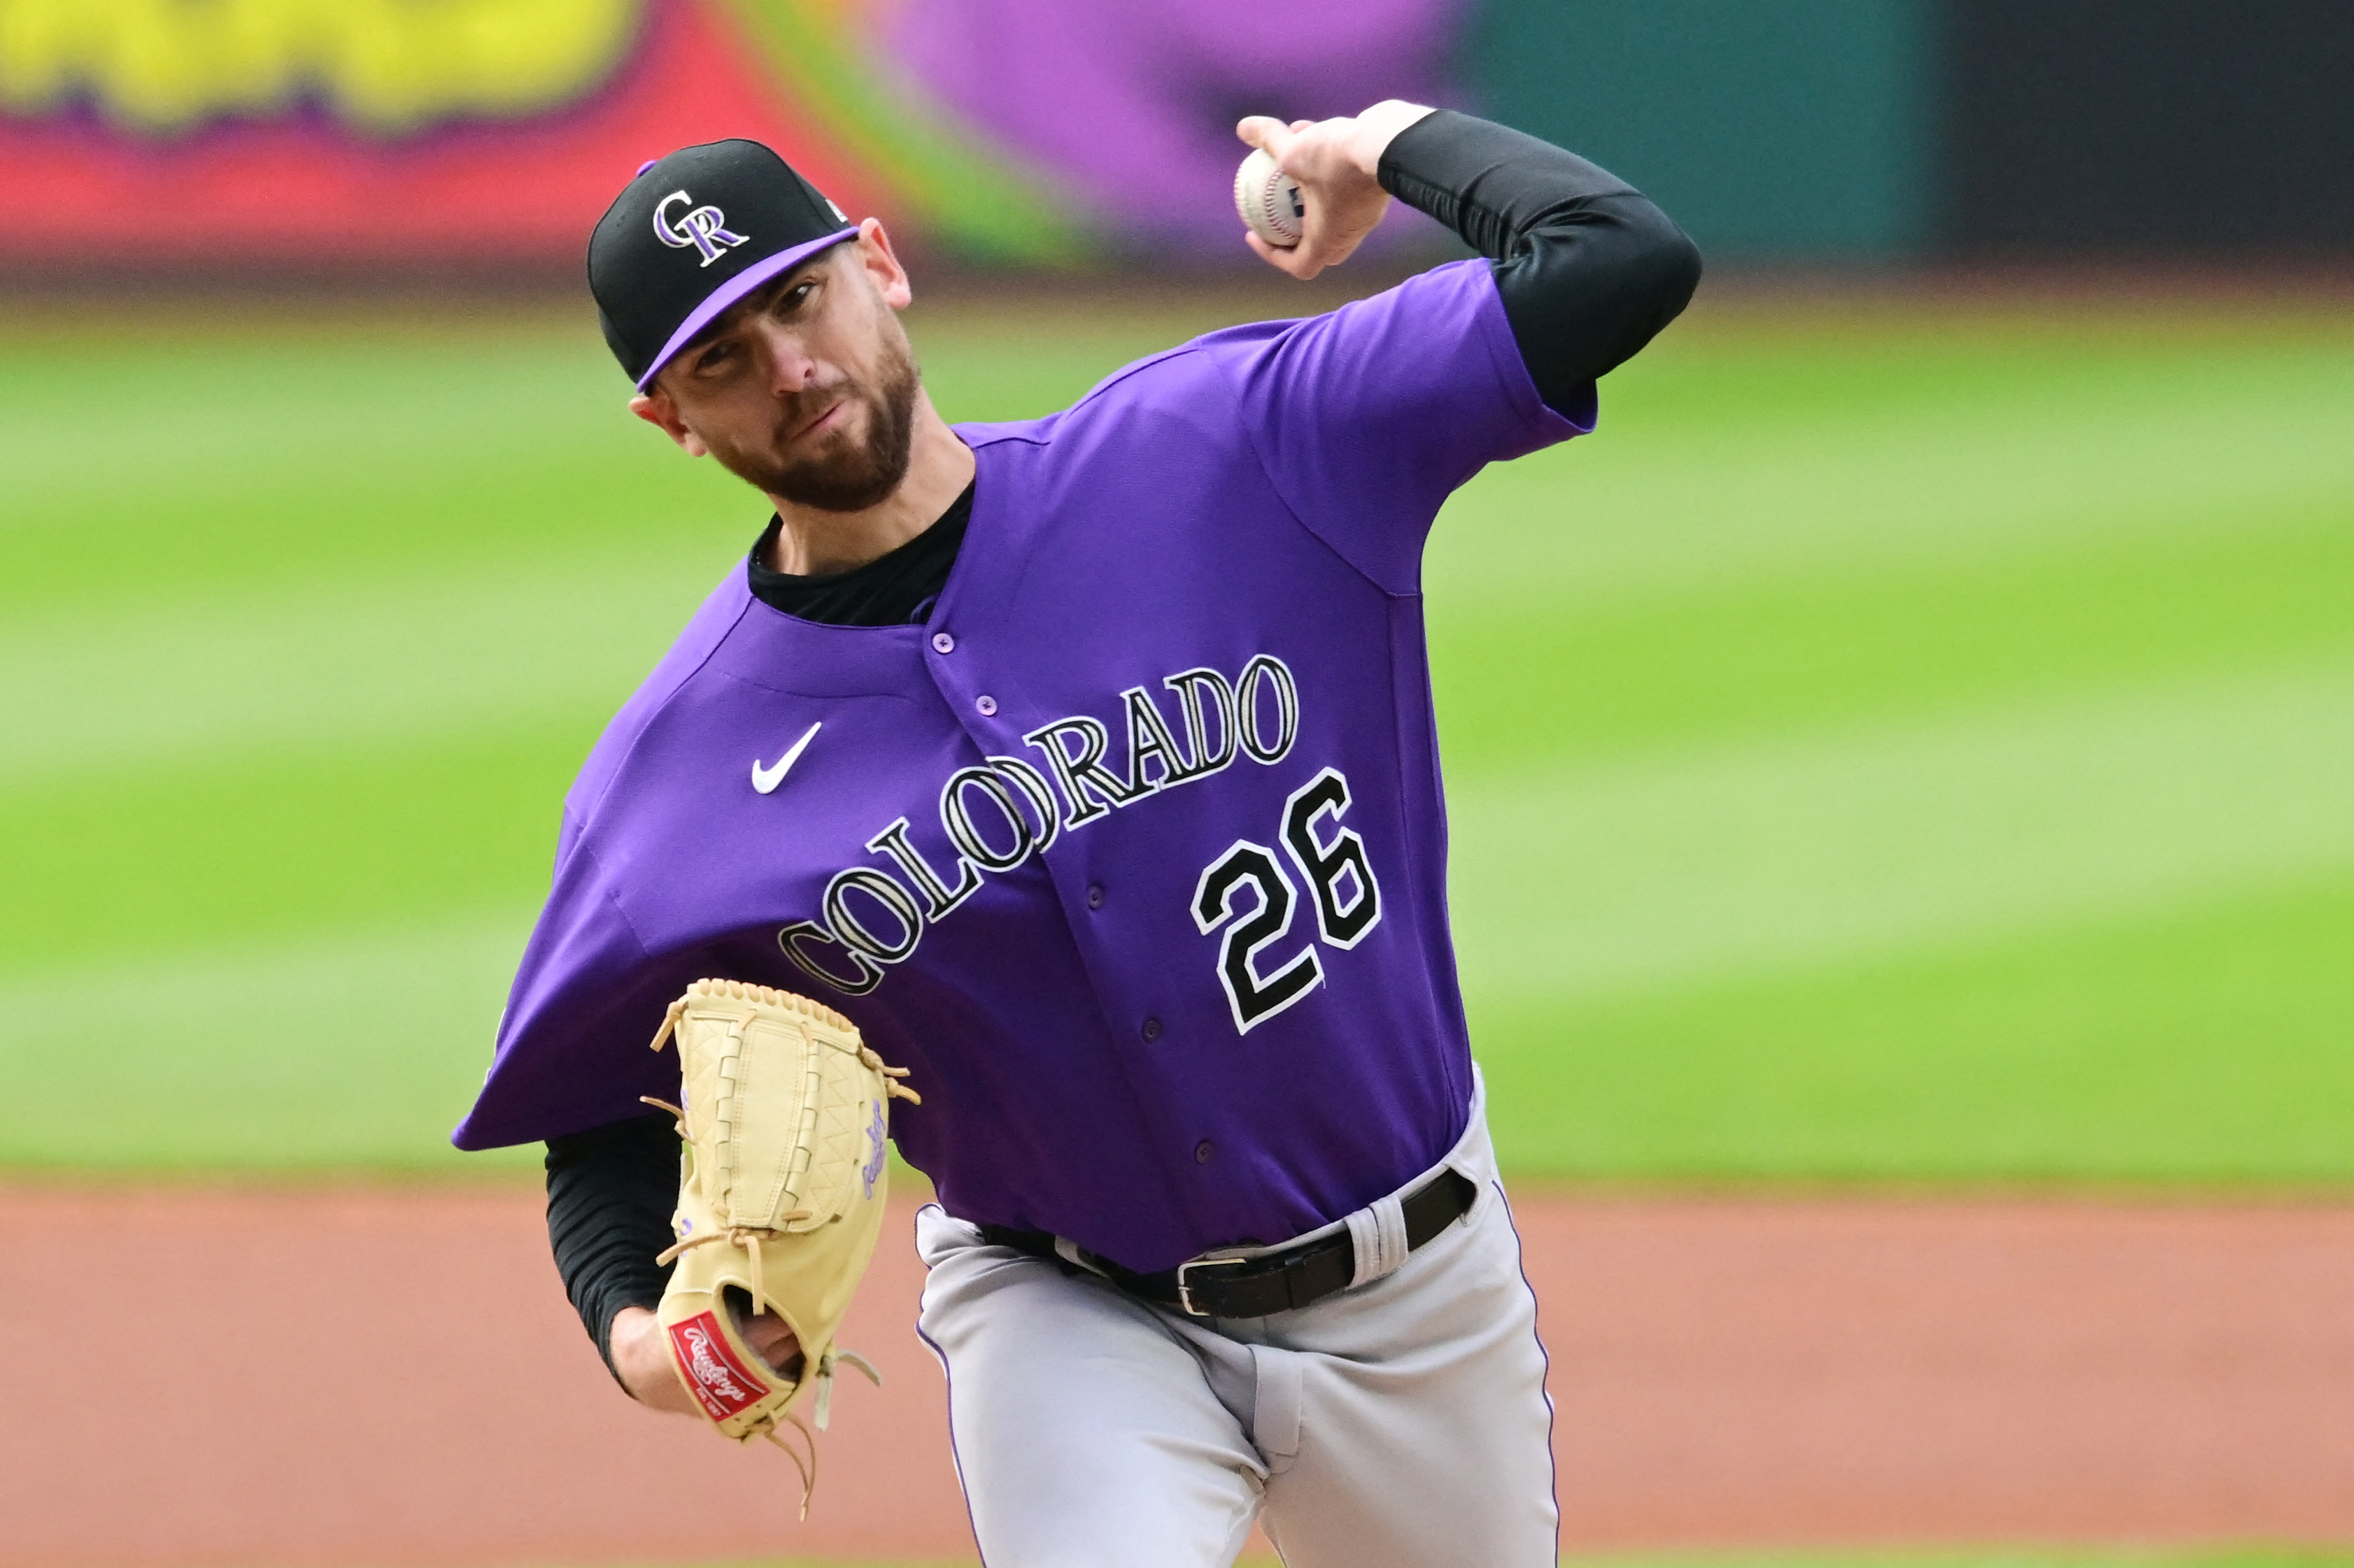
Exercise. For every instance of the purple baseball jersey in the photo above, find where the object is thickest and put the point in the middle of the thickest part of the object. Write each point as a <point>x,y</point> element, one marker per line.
<point>1134,852</point>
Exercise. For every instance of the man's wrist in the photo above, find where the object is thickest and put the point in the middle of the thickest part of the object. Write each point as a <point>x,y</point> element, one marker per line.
<point>1378,126</point>
<point>640,1354</point>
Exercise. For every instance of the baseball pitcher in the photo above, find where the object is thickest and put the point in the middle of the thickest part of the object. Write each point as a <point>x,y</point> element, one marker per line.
<point>1078,776</point>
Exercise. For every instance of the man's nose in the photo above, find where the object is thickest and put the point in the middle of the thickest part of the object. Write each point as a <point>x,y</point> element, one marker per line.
<point>790,368</point>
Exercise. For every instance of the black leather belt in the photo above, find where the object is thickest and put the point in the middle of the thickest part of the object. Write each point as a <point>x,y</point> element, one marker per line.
<point>1279,1281</point>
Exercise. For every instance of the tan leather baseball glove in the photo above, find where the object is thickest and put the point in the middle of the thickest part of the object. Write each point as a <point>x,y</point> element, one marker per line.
<point>784,1116</point>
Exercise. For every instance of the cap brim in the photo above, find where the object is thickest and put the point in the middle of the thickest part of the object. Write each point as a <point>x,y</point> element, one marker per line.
<point>734,289</point>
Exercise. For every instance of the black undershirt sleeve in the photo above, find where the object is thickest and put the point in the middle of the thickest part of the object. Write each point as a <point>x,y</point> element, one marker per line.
<point>1588,269</point>
<point>609,1194</point>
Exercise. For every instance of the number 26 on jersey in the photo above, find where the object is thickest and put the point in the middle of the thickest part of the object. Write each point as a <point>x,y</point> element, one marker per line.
<point>1249,893</point>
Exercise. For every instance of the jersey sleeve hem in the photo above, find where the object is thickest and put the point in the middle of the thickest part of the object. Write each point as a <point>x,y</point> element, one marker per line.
<point>1541,419</point>
<point>484,1130</point>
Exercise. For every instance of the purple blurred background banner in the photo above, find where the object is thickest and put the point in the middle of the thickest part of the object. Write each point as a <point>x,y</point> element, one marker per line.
<point>1132,106</point>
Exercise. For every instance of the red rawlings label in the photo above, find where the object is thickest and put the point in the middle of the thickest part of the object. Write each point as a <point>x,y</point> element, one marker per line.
<point>723,1384</point>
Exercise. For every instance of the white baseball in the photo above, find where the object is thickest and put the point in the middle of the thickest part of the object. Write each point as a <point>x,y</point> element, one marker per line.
<point>1269,201</point>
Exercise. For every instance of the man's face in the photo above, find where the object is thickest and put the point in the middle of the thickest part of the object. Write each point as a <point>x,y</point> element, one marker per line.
<point>805,390</point>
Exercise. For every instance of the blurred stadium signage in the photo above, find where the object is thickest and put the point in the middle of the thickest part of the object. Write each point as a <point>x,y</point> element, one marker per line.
<point>294,133</point>
<point>244,133</point>
<point>376,65</point>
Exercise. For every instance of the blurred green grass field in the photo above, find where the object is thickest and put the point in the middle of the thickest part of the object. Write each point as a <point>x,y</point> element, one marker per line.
<point>1907,743</point>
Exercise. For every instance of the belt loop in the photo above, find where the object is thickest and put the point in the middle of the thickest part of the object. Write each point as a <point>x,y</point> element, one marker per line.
<point>1295,1271</point>
<point>1074,1255</point>
<point>1378,1233</point>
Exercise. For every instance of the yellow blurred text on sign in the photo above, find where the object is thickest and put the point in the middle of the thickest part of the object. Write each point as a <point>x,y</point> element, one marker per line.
<point>381,66</point>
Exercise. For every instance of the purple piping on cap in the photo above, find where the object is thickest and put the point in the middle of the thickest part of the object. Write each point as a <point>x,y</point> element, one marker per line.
<point>734,289</point>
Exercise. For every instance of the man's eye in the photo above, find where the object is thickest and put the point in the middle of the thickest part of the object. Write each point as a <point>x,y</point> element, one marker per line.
<point>715,355</point>
<point>793,299</point>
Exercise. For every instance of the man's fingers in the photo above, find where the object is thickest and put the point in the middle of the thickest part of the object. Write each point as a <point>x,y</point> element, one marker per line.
<point>1315,153</point>
<point>1265,252</point>
<point>774,1343</point>
<point>1291,261</point>
<point>766,1332</point>
<point>769,1337</point>
<point>1265,131</point>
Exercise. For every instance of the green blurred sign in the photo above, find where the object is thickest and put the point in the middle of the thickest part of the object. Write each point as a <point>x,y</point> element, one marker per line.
<point>1799,129</point>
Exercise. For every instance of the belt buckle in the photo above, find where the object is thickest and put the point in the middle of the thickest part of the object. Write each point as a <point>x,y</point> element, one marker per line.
<point>1185,1286</point>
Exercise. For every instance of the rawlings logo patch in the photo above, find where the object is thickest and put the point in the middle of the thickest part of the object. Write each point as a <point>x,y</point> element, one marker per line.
<point>722,1384</point>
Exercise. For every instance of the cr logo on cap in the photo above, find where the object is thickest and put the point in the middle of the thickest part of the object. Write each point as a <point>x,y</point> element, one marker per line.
<point>704,228</point>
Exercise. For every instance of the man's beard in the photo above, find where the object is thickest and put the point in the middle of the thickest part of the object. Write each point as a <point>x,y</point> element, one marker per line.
<point>840,476</point>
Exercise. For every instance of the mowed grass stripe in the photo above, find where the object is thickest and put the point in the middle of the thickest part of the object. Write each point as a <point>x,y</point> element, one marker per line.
<point>159,863</point>
<point>136,412</point>
<point>422,656</point>
<point>2198,1043</point>
<point>1560,873</point>
<point>405,653</point>
<point>1680,489</point>
<point>314,523</point>
<point>318,461</point>
<point>342,1053</point>
<point>141,479</point>
<point>286,455</point>
<point>1728,661</point>
<point>1664,871</point>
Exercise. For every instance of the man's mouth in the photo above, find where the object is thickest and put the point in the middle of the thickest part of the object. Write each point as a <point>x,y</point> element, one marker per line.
<point>829,420</point>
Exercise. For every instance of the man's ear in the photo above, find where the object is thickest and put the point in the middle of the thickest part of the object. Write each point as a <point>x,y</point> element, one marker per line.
<point>882,265</point>
<point>656,408</point>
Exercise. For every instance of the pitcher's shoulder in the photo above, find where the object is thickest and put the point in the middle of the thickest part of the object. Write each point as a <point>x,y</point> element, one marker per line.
<point>720,613</point>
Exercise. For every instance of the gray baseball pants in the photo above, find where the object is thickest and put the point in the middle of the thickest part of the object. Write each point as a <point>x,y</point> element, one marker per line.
<point>1402,1423</point>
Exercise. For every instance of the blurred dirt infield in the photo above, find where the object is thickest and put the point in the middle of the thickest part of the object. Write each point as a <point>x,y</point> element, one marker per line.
<point>319,1379</point>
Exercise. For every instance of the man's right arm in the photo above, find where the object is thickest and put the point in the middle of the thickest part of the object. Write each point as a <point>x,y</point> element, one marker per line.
<point>638,1354</point>
<point>609,1194</point>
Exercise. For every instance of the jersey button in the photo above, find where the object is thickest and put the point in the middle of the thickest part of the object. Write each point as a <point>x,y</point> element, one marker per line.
<point>943,643</point>
<point>1152,1030</point>
<point>985,702</point>
<point>1202,1150</point>
<point>1094,896</point>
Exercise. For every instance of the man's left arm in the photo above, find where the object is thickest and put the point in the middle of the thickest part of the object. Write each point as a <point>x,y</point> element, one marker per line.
<point>1365,420</point>
<point>1588,269</point>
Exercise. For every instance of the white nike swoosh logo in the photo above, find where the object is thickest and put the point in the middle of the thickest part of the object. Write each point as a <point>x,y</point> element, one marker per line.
<point>764,779</point>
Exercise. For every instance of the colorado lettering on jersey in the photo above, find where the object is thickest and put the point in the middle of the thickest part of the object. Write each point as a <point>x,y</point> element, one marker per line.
<point>998,814</point>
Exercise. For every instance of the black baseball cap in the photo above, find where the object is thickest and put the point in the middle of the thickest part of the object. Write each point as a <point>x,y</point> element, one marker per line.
<point>692,234</point>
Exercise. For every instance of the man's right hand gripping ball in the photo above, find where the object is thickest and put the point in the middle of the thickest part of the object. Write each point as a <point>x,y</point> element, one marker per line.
<point>784,1118</point>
